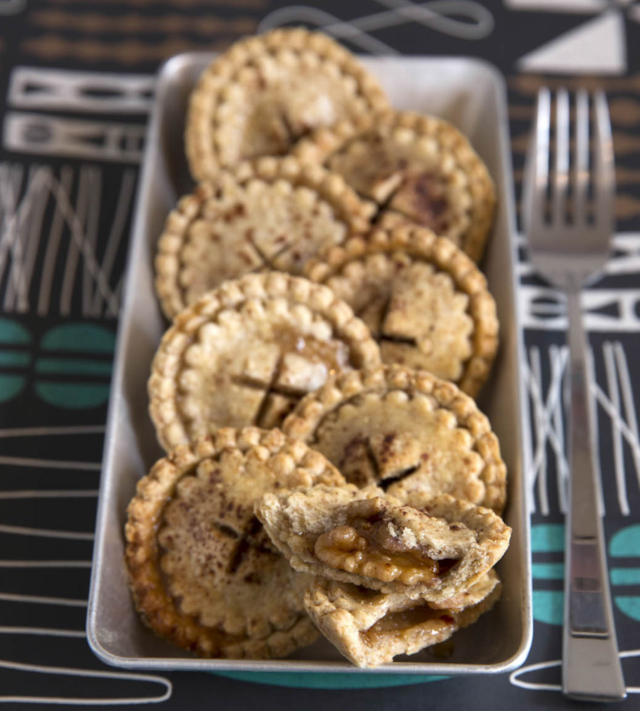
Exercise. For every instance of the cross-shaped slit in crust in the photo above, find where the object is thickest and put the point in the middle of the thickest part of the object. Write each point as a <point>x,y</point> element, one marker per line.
<point>380,459</point>
<point>253,537</point>
<point>268,262</point>
<point>277,401</point>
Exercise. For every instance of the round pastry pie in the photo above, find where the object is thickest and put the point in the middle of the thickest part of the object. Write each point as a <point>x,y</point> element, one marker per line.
<point>425,301</point>
<point>264,93</point>
<point>248,351</point>
<point>404,430</point>
<point>416,168</point>
<point>202,570</point>
<point>272,214</point>
<point>370,628</point>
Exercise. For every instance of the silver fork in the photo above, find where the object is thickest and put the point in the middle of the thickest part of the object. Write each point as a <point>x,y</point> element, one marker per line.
<point>569,253</point>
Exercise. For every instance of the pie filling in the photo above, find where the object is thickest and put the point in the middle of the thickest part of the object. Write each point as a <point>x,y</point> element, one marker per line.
<point>420,622</point>
<point>372,547</point>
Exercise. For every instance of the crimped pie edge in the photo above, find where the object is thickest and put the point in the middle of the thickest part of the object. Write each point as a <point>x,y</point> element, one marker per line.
<point>318,147</point>
<point>167,362</point>
<point>143,514</point>
<point>199,144</point>
<point>303,422</point>
<point>424,244</point>
<point>354,211</point>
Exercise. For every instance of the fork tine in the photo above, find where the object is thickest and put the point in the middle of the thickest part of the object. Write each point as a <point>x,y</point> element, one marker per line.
<point>537,172</point>
<point>581,164</point>
<point>561,173</point>
<point>604,174</point>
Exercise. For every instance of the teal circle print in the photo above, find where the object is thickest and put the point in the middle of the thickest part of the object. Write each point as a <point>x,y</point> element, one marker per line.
<point>15,358</point>
<point>625,576</point>
<point>547,548</point>
<point>336,680</point>
<point>73,368</point>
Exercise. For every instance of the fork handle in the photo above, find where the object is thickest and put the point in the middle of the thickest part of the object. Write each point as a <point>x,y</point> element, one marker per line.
<point>591,666</point>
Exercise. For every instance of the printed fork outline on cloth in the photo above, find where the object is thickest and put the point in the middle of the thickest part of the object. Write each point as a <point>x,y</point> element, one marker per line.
<point>569,254</point>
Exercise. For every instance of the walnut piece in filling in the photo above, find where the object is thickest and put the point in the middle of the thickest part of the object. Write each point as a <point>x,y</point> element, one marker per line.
<point>362,537</point>
<point>371,545</point>
<point>347,548</point>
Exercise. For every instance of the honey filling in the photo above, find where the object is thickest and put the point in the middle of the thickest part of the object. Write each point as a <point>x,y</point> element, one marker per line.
<point>369,549</point>
<point>420,621</point>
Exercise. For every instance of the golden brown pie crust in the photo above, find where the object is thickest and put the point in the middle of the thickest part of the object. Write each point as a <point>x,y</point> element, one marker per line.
<point>248,351</point>
<point>370,628</point>
<point>270,214</point>
<point>202,572</point>
<point>267,91</point>
<point>404,427</point>
<point>423,299</point>
<point>417,168</point>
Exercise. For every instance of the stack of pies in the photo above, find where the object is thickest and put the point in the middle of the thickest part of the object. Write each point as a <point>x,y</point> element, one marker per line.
<point>327,469</point>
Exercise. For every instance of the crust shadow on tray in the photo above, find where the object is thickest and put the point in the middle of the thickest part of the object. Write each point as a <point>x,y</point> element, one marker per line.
<point>470,94</point>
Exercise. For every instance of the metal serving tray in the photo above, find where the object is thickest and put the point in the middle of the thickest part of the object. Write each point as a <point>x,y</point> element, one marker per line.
<point>469,93</point>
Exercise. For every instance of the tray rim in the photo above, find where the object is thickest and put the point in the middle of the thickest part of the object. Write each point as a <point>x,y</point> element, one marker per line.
<point>135,247</point>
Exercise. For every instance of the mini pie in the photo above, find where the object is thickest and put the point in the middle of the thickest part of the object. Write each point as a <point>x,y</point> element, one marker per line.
<point>424,300</point>
<point>415,167</point>
<point>272,214</point>
<point>370,628</point>
<point>202,571</point>
<point>363,537</point>
<point>405,430</point>
<point>264,93</point>
<point>247,352</point>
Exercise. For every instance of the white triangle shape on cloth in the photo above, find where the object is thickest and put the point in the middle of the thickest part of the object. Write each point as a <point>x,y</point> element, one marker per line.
<point>559,5</point>
<point>596,47</point>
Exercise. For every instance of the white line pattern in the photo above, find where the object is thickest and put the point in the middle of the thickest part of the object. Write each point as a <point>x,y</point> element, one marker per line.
<point>515,679</point>
<point>45,533</point>
<point>55,431</point>
<point>86,673</point>
<point>69,138</point>
<point>69,698</point>
<point>42,600</point>
<point>548,401</point>
<point>443,16</point>
<point>21,238</point>
<point>58,89</point>
<point>45,564</point>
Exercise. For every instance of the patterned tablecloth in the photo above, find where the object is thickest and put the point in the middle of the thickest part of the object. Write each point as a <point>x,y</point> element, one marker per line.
<point>77,83</point>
